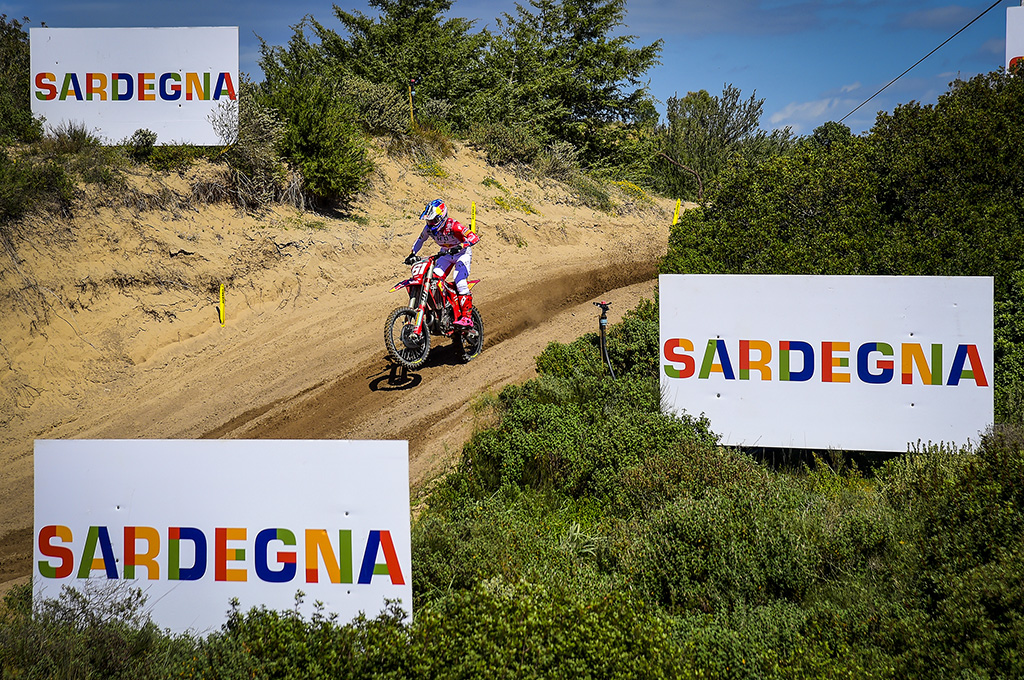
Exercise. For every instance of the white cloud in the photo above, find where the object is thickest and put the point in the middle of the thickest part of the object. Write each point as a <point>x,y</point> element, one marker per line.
<point>805,116</point>
<point>850,88</point>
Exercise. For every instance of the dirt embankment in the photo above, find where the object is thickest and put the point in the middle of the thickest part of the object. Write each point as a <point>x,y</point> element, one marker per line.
<point>110,327</point>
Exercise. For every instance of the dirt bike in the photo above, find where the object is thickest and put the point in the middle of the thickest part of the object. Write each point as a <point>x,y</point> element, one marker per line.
<point>431,311</point>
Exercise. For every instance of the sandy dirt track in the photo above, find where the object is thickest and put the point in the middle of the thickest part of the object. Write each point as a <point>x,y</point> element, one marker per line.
<point>132,346</point>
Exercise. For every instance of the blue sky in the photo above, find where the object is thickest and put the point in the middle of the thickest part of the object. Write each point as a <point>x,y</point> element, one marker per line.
<point>811,60</point>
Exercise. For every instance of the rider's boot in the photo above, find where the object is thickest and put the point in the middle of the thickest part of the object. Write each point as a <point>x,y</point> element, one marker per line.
<point>465,311</point>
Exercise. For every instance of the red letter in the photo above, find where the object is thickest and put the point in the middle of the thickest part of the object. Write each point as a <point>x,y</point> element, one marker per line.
<point>66,557</point>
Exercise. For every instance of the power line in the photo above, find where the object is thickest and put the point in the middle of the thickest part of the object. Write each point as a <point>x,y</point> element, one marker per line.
<point>991,7</point>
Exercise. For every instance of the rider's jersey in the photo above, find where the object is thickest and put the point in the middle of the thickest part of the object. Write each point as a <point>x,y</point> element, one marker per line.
<point>451,233</point>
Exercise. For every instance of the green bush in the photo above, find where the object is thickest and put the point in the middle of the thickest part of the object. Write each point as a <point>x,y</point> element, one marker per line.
<point>592,193</point>
<point>507,143</point>
<point>380,108</point>
<point>101,633</point>
<point>16,121</point>
<point>26,184</point>
<point>559,160</point>
<point>140,145</point>
<point>322,137</point>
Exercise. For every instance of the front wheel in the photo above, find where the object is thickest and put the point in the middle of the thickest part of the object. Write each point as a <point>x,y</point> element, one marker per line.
<point>405,345</point>
<point>471,340</point>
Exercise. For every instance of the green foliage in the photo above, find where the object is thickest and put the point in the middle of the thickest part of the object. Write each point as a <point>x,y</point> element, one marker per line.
<point>179,157</point>
<point>560,66</point>
<point>381,109</point>
<point>592,192</point>
<point>321,138</point>
<point>588,535</point>
<point>520,630</point>
<point>504,143</point>
<point>558,160</point>
<point>411,38</point>
<point>26,184</point>
<point>102,633</point>
<point>140,145</point>
<point>951,179</point>
<point>1009,353</point>
<point>574,431</point>
<point>16,121</point>
<point>255,169</point>
<point>705,134</point>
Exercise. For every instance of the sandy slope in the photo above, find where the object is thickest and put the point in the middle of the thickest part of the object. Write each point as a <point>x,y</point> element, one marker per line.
<point>109,324</point>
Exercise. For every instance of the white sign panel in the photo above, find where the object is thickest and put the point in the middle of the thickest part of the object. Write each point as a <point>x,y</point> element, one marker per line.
<point>119,80</point>
<point>1014,35</point>
<point>860,363</point>
<point>196,523</point>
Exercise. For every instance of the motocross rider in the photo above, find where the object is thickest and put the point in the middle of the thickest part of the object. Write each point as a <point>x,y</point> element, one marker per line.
<point>456,242</point>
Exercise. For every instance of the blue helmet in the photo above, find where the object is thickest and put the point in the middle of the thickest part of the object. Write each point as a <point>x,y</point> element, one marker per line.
<point>435,214</point>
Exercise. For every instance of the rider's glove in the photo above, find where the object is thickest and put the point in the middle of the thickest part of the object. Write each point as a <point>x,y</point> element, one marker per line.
<point>411,258</point>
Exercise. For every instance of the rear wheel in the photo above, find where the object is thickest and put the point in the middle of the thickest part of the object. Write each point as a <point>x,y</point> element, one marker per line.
<point>471,340</point>
<point>405,345</point>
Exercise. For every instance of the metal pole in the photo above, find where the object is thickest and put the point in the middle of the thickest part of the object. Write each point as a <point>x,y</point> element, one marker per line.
<point>604,324</point>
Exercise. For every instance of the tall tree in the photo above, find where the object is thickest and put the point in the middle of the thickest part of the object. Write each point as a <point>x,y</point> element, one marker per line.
<point>705,132</point>
<point>321,136</point>
<point>558,58</point>
<point>411,38</point>
<point>16,122</point>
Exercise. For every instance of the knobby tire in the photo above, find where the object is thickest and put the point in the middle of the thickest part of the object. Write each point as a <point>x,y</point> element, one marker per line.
<point>396,331</point>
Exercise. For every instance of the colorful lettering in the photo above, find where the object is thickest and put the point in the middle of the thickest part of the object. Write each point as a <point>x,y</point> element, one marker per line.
<point>885,365</point>
<point>764,350</point>
<point>71,87</point>
<point>339,568</point>
<point>222,554</point>
<point>672,353</point>
<point>147,559</point>
<point>96,84</point>
<point>173,93</point>
<point>286,559</point>
<point>786,347</point>
<point>830,362</point>
<point>46,87</point>
<point>913,355</point>
<point>967,353</point>
<point>101,537</point>
<point>198,539</point>
<point>381,541</point>
<point>709,365</point>
<point>46,547</point>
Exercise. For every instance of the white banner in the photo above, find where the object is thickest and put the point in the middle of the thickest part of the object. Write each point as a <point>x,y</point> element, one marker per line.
<point>196,523</point>
<point>1014,35</point>
<point>860,363</point>
<point>119,80</point>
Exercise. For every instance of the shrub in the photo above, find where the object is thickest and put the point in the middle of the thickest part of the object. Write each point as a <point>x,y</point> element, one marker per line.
<point>592,193</point>
<point>140,145</point>
<point>101,632</point>
<point>559,161</point>
<point>27,184</point>
<point>380,109</point>
<point>16,121</point>
<point>256,171</point>
<point>507,144</point>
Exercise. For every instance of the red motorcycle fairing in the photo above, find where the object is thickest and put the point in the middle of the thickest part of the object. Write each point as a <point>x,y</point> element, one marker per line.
<point>431,311</point>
